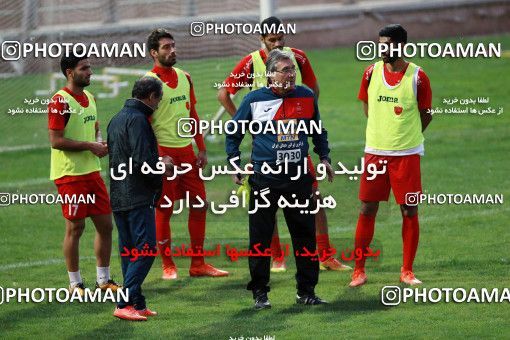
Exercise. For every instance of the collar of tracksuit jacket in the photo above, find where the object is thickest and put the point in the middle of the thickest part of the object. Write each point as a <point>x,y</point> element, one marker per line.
<point>140,106</point>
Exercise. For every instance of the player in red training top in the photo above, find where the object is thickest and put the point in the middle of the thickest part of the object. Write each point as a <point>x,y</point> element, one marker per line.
<point>396,99</point>
<point>178,102</point>
<point>250,73</point>
<point>76,147</point>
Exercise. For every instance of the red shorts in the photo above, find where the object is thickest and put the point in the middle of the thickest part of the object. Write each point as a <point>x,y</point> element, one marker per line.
<point>402,176</point>
<point>189,182</point>
<point>95,187</point>
<point>311,168</point>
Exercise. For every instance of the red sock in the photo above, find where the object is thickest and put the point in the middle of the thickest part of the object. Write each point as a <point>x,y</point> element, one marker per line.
<point>163,235</point>
<point>410,237</point>
<point>196,227</point>
<point>322,243</point>
<point>276,247</point>
<point>364,235</point>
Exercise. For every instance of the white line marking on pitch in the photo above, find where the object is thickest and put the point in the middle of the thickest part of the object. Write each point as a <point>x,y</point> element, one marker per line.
<point>33,181</point>
<point>4,149</point>
<point>39,263</point>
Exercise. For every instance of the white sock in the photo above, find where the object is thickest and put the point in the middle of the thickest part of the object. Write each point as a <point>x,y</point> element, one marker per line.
<point>103,275</point>
<point>74,278</point>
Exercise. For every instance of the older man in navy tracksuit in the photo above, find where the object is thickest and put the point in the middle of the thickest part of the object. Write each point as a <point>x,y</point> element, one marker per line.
<point>281,100</point>
<point>131,144</point>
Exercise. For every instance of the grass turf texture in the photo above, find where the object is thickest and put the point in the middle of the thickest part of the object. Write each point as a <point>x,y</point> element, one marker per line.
<point>460,245</point>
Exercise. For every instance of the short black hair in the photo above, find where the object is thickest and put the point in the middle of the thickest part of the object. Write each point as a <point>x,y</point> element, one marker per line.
<point>145,86</point>
<point>266,24</point>
<point>71,60</point>
<point>155,36</point>
<point>396,32</point>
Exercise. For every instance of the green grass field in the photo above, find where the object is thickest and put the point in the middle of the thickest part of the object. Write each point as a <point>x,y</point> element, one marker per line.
<point>460,245</point>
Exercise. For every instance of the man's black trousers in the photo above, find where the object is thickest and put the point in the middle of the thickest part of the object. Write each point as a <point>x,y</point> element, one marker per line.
<point>301,229</point>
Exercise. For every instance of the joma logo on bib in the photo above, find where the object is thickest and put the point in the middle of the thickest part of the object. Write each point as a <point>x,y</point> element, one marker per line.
<point>89,119</point>
<point>387,99</point>
<point>177,99</point>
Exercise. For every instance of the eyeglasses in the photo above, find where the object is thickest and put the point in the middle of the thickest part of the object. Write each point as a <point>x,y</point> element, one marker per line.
<point>288,70</point>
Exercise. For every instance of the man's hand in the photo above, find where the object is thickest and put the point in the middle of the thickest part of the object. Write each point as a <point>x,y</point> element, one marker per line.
<point>238,179</point>
<point>170,167</point>
<point>329,170</point>
<point>202,159</point>
<point>98,149</point>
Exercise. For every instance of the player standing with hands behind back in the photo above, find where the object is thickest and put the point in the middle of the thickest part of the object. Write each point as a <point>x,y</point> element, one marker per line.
<point>396,99</point>
<point>178,103</point>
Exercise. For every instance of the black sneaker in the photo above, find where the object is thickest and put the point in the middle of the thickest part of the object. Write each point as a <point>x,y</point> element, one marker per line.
<point>262,301</point>
<point>110,284</point>
<point>80,287</point>
<point>310,299</point>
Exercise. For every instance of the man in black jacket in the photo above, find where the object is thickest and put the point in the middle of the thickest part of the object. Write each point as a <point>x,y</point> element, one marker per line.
<point>133,150</point>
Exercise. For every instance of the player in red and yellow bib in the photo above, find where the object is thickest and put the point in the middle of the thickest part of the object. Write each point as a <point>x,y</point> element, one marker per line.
<point>250,74</point>
<point>178,102</point>
<point>73,131</point>
<point>396,98</point>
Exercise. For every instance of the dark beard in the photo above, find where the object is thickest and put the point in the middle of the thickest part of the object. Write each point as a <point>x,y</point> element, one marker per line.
<point>390,60</point>
<point>168,63</point>
<point>81,82</point>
